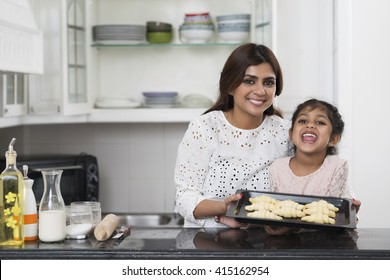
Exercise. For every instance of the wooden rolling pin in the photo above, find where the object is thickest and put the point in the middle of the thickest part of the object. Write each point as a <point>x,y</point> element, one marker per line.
<point>106,227</point>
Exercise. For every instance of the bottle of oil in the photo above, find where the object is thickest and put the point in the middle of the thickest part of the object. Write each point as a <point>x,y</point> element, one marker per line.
<point>11,201</point>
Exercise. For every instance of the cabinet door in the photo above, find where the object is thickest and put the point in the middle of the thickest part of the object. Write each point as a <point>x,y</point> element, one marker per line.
<point>13,94</point>
<point>62,89</point>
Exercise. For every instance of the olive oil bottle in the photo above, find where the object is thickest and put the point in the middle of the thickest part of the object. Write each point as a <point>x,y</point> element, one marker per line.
<point>11,195</point>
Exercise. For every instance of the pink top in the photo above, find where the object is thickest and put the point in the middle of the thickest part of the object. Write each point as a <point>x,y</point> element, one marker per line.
<point>329,180</point>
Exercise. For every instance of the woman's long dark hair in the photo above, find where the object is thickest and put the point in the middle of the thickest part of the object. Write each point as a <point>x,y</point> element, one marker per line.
<point>233,74</point>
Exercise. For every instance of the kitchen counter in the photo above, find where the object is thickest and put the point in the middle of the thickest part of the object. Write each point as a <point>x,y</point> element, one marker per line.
<point>197,243</point>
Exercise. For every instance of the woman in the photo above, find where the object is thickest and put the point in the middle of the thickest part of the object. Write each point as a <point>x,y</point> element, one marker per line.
<point>232,144</point>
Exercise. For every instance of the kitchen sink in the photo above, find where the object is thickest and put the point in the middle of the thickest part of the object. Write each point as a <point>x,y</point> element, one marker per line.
<point>150,219</point>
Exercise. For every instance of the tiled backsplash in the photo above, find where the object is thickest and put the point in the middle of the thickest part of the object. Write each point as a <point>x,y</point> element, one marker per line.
<point>136,161</point>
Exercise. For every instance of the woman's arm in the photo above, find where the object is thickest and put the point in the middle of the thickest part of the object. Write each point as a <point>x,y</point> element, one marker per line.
<point>192,162</point>
<point>211,208</point>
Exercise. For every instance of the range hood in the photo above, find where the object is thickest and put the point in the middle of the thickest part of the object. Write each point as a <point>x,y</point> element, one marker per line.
<point>21,48</point>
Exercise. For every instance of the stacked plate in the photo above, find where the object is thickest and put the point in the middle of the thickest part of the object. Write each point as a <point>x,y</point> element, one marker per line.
<point>116,103</point>
<point>157,99</point>
<point>117,33</point>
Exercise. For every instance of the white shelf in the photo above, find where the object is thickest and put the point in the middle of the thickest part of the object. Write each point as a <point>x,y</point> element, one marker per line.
<point>136,115</point>
<point>144,115</point>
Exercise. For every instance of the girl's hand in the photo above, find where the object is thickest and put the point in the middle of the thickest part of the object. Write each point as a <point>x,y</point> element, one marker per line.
<point>357,204</point>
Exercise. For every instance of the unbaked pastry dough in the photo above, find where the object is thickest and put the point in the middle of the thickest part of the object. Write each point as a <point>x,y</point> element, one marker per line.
<point>266,207</point>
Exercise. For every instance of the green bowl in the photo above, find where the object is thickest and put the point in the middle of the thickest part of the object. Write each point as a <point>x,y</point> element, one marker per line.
<point>159,37</point>
<point>158,26</point>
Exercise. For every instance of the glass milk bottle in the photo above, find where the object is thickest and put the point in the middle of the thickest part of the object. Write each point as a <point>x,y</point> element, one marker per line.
<point>11,202</point>
<point>52,218</point>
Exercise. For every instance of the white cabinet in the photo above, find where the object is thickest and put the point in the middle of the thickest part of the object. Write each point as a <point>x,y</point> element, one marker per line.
<point>13,94</point>
<point>124,71</point>
<point>78,71</point>
<point>62,89</point>
<point>20,40</point>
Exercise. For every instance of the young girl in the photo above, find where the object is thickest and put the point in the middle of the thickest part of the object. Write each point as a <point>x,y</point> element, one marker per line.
<point>314,169</point>
<point>316,128</point>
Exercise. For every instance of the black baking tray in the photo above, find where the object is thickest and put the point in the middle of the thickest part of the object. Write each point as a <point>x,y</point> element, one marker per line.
<point>345,217</point>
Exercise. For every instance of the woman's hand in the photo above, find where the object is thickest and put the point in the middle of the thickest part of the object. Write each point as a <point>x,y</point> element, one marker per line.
<point>230,222</point>
<point>212,208</point>
<point>232,198</point>
<point>280,230</point>
<point>217,209</point>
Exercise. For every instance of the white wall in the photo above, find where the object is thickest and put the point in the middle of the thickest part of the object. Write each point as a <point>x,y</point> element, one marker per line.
<point>136,161</point>
<point>364,95</point>
<point>304,47</point>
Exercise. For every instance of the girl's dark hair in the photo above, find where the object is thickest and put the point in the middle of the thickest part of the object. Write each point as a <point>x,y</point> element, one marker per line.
<point>233,74</point>
<point>332,113</point>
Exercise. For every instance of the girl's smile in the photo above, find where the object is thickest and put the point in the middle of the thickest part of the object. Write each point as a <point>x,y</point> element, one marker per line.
<point>312,131</point>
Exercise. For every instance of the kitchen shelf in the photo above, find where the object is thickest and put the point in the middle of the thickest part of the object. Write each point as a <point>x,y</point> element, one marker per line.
<point>133,115</point>
<point>144,115</point>
<point>104,45</point>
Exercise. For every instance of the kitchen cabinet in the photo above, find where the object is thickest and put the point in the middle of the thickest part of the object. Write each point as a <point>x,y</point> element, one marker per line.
<point>78,71</point>
<point>20,39</point>
<point>13,94</point>
<point>124,71</point>
<point>62,89</point>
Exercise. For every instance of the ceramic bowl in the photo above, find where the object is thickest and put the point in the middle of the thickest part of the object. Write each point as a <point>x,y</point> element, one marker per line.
<point>196,36</point>
<point>158,26</point>
<point>159,37</point>
<point>228,27</point>
<point>197,18</point>
<point>196,26</point>
<point>234,18</point>
<point>234,36</point>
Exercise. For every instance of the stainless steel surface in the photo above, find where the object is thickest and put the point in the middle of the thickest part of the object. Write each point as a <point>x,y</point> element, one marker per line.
<point>150,219</point>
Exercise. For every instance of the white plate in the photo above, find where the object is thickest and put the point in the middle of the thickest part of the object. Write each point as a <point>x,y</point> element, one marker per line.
<point>157,105</point>
<point>117,103</point>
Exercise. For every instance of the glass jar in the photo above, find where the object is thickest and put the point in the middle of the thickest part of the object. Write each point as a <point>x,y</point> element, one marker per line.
<point>96,210</point>
<point>52,219</point>
<point>78,221</point>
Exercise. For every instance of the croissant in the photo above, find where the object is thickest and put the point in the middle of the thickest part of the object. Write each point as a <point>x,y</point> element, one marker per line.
<point>289,204</point>
<point>322,203</point>
<point>319,210</point>
<point>288,212</point>
<point>262,198</point>
<point>260,205</point>
<point>319,219</point>
<point>264,214</point>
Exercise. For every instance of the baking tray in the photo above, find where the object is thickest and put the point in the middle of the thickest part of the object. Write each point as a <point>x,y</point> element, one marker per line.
<point>345,217</point>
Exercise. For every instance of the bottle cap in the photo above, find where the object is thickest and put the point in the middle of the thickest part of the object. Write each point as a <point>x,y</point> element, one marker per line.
<point>25,171</point>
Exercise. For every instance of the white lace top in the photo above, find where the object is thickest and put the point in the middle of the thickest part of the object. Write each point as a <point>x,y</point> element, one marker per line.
<point>331,179</point>
<point>215,159</point>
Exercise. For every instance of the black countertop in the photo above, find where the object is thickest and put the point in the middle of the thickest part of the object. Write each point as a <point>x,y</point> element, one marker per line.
<point>197,243</point>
